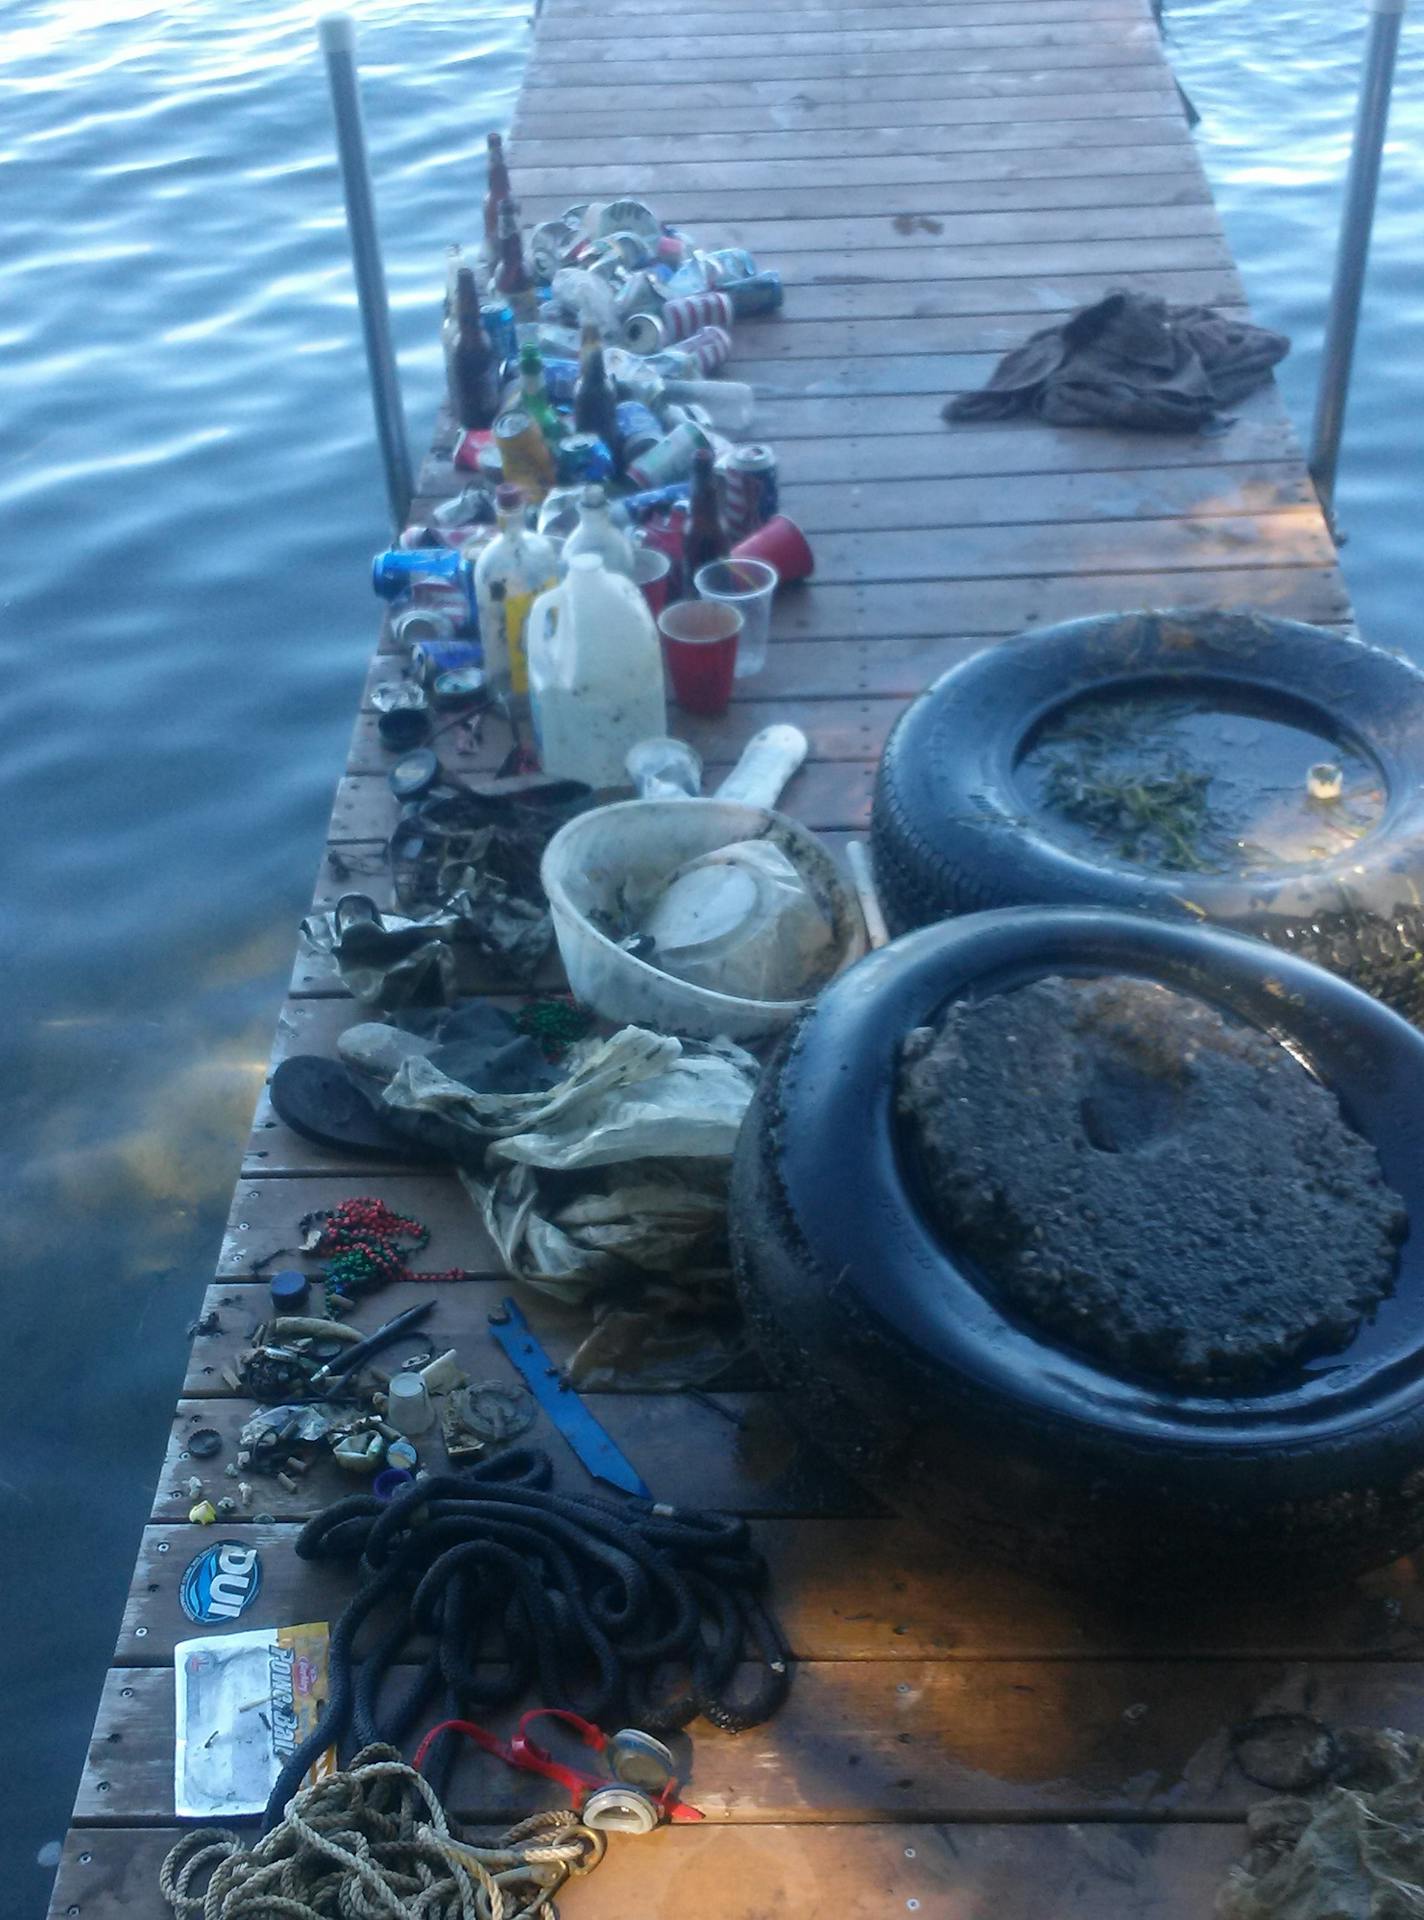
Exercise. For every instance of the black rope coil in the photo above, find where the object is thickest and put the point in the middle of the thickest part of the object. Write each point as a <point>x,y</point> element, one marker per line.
<point>629,1614</point>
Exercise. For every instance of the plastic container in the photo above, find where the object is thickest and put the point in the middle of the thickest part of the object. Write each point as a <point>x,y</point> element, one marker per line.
<point>596,533</point>
<point>747,585</point>
<point>616,861</point>
<point>595,674</point>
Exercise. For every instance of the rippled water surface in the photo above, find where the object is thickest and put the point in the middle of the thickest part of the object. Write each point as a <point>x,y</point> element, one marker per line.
<point>188,494</point>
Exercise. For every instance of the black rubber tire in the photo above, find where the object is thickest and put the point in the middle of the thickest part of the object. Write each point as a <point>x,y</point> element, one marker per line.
<point>948,828</point>
<point>903,1367</point>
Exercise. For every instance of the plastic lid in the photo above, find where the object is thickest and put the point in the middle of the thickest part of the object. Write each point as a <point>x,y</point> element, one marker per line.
<point>508,498</point>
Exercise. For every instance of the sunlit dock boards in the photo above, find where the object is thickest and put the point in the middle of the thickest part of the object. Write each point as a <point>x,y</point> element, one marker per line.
<point>932,182</point>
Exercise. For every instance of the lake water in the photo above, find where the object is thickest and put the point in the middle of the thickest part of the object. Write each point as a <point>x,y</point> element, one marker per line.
<point>189,495</point>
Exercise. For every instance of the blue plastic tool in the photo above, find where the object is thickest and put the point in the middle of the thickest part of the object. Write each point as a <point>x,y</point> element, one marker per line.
<point>593,1446</point>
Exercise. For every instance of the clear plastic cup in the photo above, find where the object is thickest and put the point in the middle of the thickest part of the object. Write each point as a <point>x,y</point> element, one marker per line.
<point>747,585</point>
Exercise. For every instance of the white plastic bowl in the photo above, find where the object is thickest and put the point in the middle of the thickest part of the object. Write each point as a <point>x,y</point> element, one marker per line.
<point>610,864</point>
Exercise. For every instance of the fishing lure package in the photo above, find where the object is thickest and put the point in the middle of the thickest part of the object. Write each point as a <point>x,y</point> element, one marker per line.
<point>245,1702</point>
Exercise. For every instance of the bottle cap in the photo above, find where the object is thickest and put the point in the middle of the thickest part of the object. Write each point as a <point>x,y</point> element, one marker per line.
<point>289,1290</point>
<point>593,495</point>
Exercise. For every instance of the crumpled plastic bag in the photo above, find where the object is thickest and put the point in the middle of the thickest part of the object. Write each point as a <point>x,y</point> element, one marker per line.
<point>1353,1851</point>
<point>638,1095</point>
<point>744,920</point>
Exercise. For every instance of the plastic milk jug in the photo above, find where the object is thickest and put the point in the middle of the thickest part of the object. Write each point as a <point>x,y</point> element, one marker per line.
<point>595,673</point>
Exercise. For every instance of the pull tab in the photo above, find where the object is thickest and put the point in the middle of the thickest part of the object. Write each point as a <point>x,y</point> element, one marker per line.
<point>768,761</point>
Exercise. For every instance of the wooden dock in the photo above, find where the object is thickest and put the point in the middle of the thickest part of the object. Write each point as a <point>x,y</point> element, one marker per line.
<point>933,182</point>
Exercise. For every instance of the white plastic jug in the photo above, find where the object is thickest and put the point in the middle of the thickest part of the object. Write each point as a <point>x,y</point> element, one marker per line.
<point>595,673</point>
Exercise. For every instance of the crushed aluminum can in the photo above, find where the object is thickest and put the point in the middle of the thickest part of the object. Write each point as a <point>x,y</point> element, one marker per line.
<point>727,263</point>
<point>638,506</point>
<point>396,696</point>
<point>759,293</point>
<point>640,293</point>
<point>582,458</point>
<point>499,325</point>
<point>638,429</point>
<point>710,348</point>
<point>415,624</point>
<point>560,380</point>
<point>633,249</point>
<point>670,460</point>
<point>684,317</point>
<point>549,245</point>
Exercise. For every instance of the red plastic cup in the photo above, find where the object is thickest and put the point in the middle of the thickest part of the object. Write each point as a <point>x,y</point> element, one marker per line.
<point>700,648</point>
<point>781,543</point>
<point>652,575</point>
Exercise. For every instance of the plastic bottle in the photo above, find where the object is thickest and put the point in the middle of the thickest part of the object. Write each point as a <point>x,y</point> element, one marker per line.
<point>596,674</point>
<point>728,404</point>
<point>596,533</point>
<point>525,564</point>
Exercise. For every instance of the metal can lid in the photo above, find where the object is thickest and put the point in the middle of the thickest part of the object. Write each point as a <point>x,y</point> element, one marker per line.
<point>754,459</point>
<point>510,425</point>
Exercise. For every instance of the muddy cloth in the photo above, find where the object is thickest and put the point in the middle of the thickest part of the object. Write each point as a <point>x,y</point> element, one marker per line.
<point>1128,361</point>
<point>1158,1185</point>
<point>1354,1850</point>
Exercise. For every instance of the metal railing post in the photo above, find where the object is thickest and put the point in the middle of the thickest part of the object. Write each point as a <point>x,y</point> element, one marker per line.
<point>1342,321</point>
<point>337,35</point>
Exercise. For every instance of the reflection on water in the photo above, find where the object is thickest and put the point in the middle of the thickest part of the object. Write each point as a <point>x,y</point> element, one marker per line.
<point>189,492</point>
<point>189,495</point>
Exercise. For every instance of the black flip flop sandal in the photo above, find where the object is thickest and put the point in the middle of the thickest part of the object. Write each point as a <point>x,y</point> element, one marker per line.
<point>318,1099</point>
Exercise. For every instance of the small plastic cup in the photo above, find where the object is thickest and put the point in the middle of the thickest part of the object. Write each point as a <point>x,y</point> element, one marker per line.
<point>700,647</point>
<point>748,586</point>
<point>781,542</point>
<point>652,571</point>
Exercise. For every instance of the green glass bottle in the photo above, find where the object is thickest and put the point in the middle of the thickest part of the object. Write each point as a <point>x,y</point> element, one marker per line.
<point>536,401</point>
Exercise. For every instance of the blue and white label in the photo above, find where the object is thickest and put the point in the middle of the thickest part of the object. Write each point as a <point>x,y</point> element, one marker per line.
<point>220,1583</point>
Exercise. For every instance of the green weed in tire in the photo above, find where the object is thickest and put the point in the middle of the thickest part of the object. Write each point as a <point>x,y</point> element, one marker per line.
<point>1162,763</point>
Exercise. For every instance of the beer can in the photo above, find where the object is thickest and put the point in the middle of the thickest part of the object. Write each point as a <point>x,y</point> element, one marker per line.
<point>683,317</point>
<point>643,332</point>
<point>640,293</point>
<point>759,293</point>
<point>524,454</point>
<point>710,348</point>
<point>582,458</point>
<point>499,325</point>
<point>750,494</point>
<point>631,248</point>
<point>638,429</point>
<point>670,459</point>
<point>727,263</point>
<point>638,506</point>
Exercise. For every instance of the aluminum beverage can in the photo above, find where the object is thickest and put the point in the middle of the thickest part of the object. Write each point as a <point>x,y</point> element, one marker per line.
<point>560,379</point>
<point>683,317</point>
<point>638,506</point>
<point>638,429</point>
<point>582,458</point>
<point>670,459</point>
<point>640,293</point>
<point>524,455</point>
<point>631,248</point>
<point>499,325</point>
<point>710,348</point>
<point>759,293</point>
<point>643,332</point>
<point>749,490</point>
<point>727,263</point>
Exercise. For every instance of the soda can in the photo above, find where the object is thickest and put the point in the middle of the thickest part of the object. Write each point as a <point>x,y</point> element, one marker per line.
<point>710,348</point>
<point>643,332</point>
<point>682,318</point>
<point>673,247</point>
<point>524,455</point>
<point>631,248</point>
<point>640,293</point>
<point>499,325</point>
<point>638,429</point>
<point>670,459</point>
<point>759,293</point>
<point>638,506</point>
<point>560,379</point>
<point>582,458</point>
<point>727,263</point>
<point>750,493</point>
<point>422,623</point>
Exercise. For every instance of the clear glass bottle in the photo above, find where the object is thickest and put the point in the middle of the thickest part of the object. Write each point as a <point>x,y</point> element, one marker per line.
<point>524,563</point>
<point>596,533</point>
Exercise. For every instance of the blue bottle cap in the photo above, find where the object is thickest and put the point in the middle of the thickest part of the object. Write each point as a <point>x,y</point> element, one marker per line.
<point>290,1290</point>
